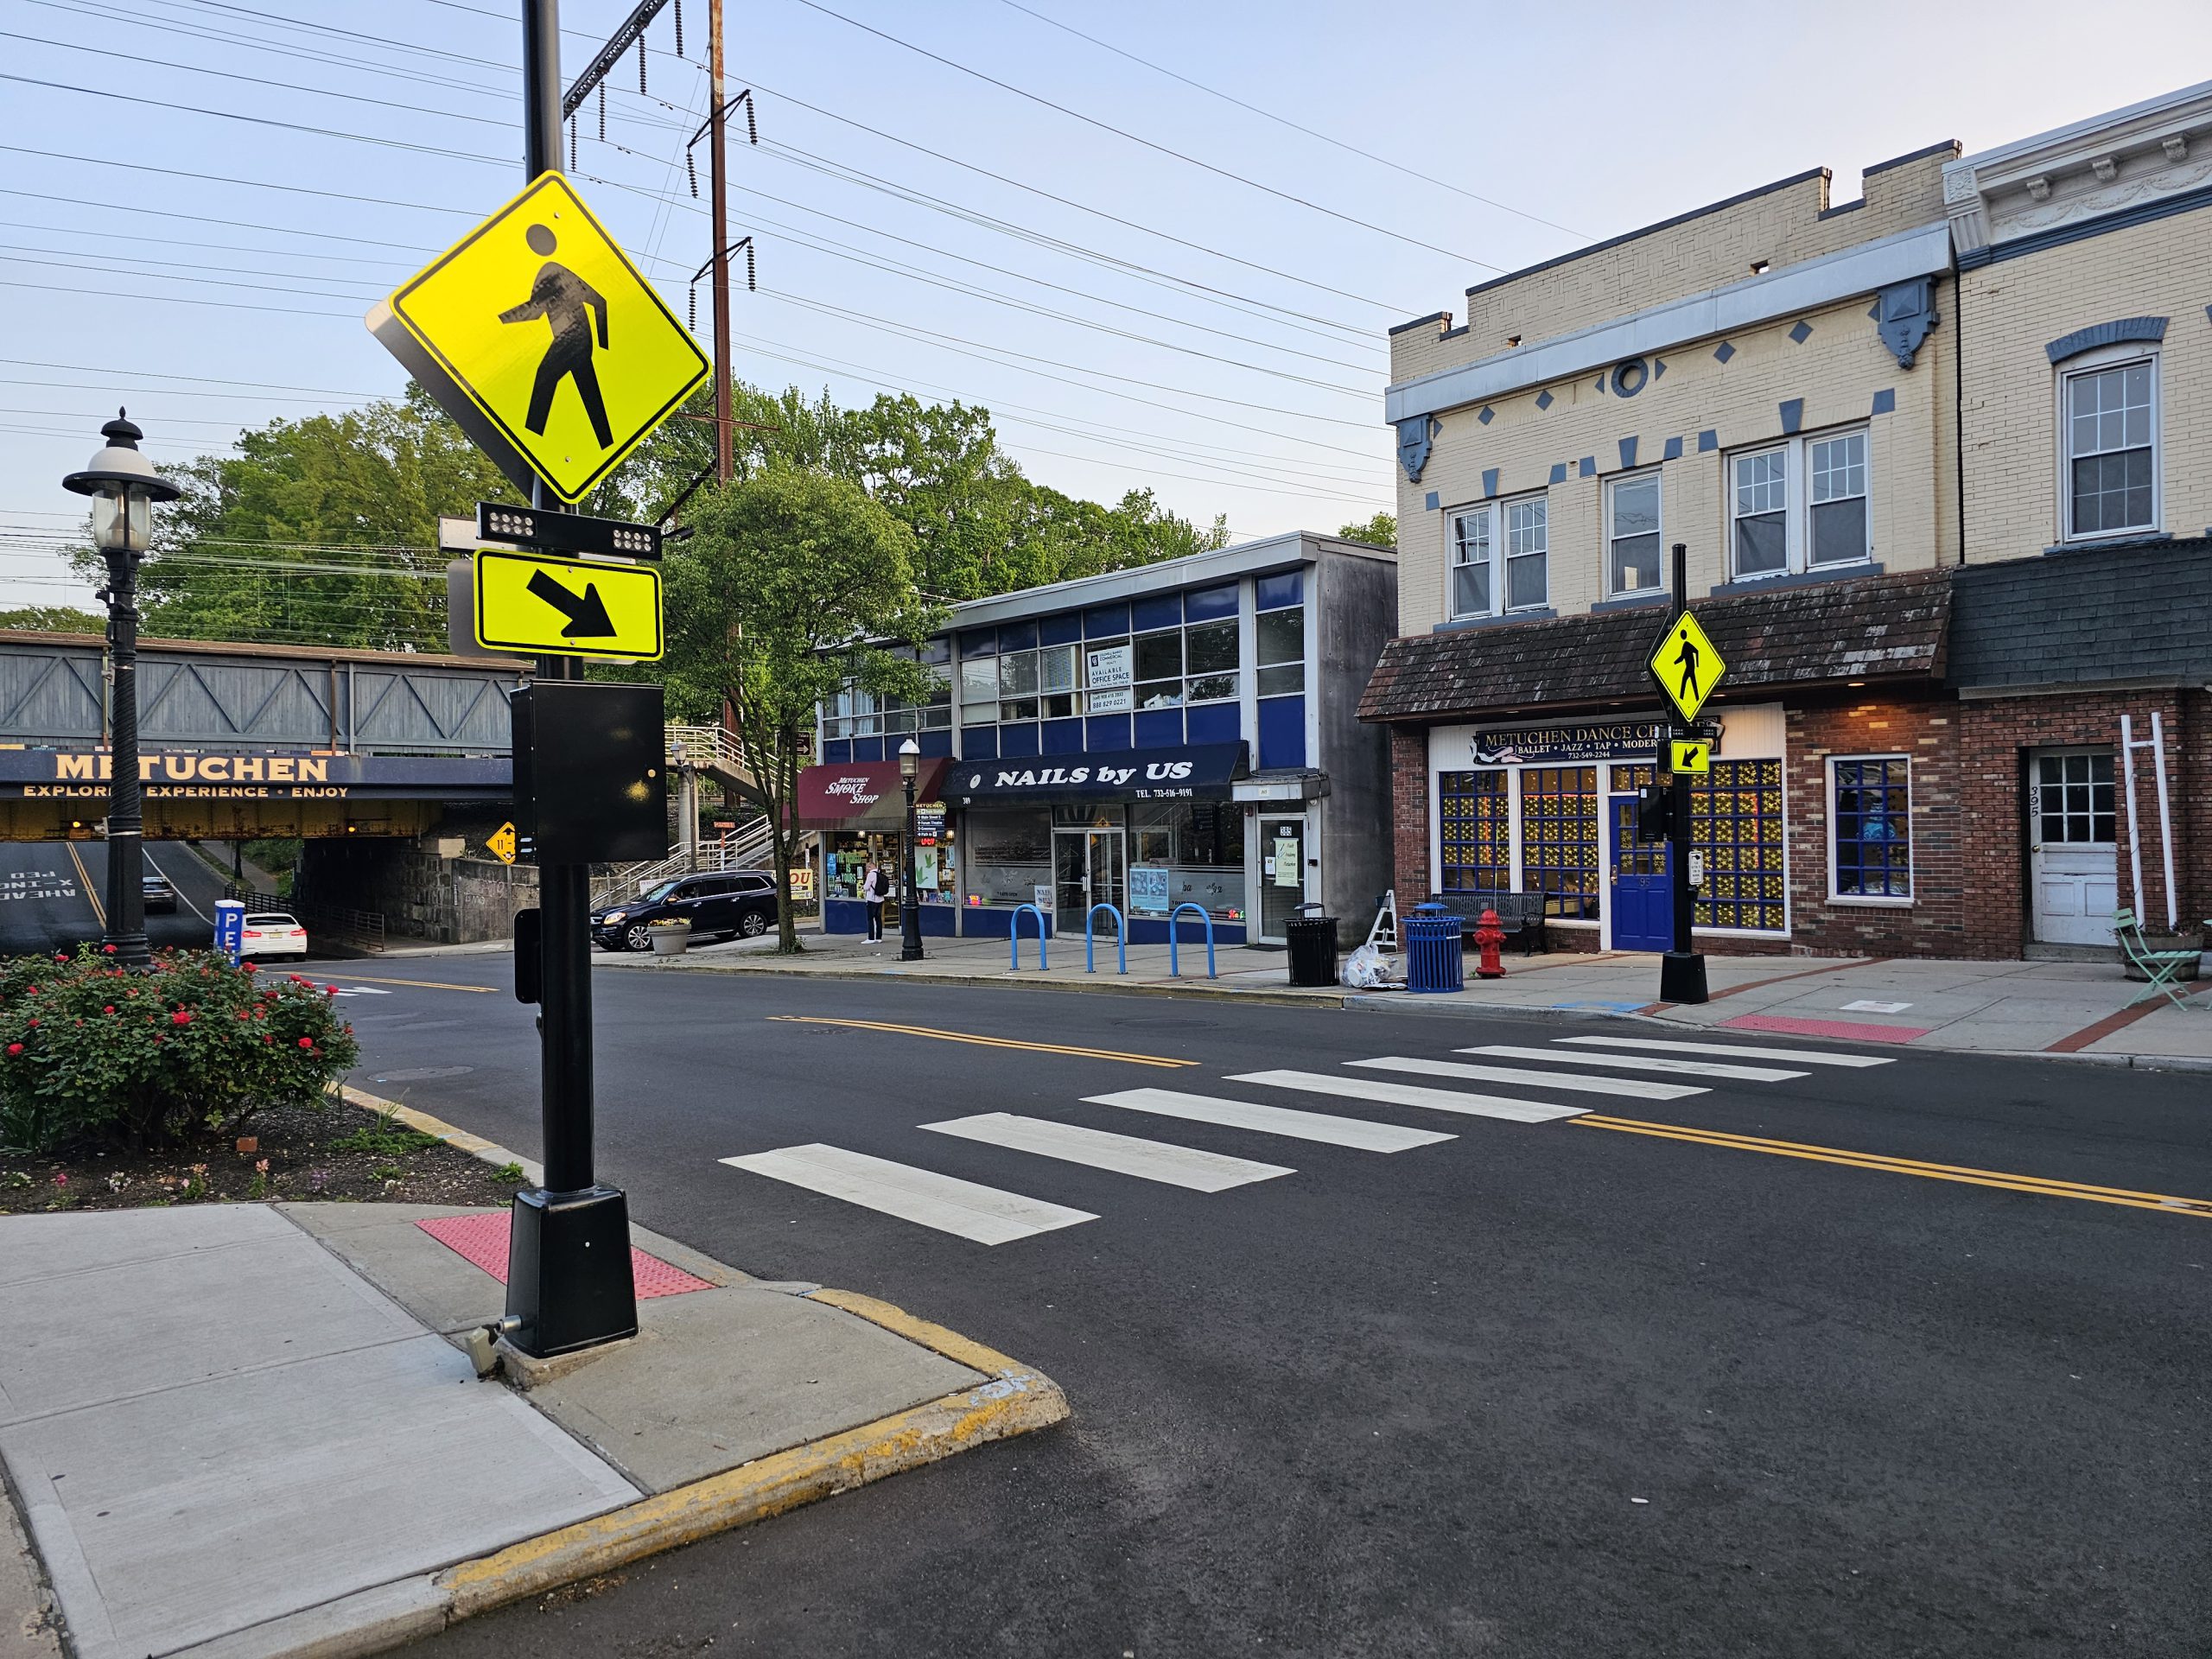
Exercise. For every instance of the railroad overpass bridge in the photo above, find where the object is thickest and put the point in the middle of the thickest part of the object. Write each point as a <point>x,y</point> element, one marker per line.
<point>242,740</point>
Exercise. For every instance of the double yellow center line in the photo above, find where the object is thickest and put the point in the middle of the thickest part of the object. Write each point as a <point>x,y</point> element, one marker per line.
<point>984,1042</point>
<point>1970,1177</point>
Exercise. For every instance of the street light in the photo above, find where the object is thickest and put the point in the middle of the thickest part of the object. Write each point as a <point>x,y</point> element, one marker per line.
<point>910,910</point>
<point>123,487</point>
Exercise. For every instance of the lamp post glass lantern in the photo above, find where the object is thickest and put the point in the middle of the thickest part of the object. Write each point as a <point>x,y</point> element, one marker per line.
<point>123,487</point>
<point>910,914</point>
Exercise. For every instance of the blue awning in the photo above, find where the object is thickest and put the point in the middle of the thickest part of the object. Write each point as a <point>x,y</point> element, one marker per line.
<point>1193,772</point>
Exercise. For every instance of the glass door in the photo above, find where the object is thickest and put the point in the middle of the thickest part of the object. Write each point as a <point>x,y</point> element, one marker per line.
<point>1089,867</point>
<point>1109,876</point>
<point>1282,873</point>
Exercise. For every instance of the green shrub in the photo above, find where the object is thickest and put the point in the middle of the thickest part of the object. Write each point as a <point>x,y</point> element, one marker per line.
<point>90,1052</point>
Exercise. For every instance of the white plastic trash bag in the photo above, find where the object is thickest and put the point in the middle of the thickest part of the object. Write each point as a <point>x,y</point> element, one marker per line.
<point>1365,970</point>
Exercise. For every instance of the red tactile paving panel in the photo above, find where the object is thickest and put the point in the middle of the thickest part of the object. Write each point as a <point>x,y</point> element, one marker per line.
<point>482,1239</point>
<point>1855,1031</point>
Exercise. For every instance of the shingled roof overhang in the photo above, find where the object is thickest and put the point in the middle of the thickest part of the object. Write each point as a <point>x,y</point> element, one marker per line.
<point>1873,628</point>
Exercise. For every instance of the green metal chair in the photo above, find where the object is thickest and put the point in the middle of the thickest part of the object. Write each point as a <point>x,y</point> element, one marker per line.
<point>2162,967</point>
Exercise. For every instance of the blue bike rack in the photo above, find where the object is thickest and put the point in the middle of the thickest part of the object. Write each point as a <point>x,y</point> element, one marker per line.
<point>1015,939</point>
<point>1172,971</point>
<point>1120,936</point>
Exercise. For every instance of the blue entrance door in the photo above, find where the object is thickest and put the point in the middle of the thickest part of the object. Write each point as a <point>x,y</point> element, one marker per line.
<point>1643,890</point>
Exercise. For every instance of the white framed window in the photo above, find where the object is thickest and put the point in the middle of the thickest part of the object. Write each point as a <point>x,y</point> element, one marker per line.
<point>2109,442</point>
<point>1632,534</point>
<point>1801,505</point>
<point>1500,557</point>
<point>1870,829</point>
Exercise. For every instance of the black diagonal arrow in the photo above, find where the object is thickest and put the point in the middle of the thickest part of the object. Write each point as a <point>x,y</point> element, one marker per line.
<point>587,614</point>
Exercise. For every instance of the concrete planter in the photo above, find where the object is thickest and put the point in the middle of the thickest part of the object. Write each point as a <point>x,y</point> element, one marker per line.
<point>670,938</point>
<point>2190,939</point>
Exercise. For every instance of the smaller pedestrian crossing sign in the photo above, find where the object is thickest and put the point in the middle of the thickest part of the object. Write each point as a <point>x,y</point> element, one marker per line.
<point>1686,665</point>
<point>1689,759</point>
<point>553,335</point>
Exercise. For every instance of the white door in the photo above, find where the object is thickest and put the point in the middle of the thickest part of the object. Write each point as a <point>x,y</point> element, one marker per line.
<point>2072,853</point>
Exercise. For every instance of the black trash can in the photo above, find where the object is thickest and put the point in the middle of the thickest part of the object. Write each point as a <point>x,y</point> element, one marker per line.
<point>1313,949</point>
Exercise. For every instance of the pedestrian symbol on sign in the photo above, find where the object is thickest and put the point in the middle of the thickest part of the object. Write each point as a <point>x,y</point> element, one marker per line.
<point>571,305</point>
<point>1686,665</point>
<point>1687,659</point>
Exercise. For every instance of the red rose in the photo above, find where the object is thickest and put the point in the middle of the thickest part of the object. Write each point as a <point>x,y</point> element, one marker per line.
<point>110,1009</point>
<point>109,949</point>
<point>307,1042</point>
<point>266,1037</point>
<point>180,1018</point>
<point>330,990</point>
<point>32,1022</point>
<point>14,1048</point>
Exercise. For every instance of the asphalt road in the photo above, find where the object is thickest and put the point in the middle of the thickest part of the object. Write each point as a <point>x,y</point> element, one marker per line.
<point>53,894</point>
<point>1541,1388</point>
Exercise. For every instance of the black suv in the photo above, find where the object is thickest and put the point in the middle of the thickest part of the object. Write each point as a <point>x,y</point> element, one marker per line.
<point>158,895</point>
<point>737,902</point>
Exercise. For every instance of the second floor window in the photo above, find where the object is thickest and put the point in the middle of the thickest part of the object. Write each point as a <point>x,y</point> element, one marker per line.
<point>2111,448</point>
<point>1632,535</point>
<point>1500,557</point>
<point>1800,505</point>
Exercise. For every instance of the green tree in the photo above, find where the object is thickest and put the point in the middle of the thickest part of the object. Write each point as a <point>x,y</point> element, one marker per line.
<point>789,581</point>
<point>52,619</point>
<point>323,529</point>
<point>1380,531</point>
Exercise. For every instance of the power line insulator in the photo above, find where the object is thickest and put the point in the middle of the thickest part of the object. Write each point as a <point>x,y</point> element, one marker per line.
<point>679,28</point>
<point>572,144</point>
<point>691,168</point>
<point>641,66</point>
<point>751,287</point>
<point>602,112</point>
<point>693,311</point>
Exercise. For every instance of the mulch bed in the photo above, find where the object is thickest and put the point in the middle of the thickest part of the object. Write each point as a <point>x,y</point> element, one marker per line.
<point>338,1152</point>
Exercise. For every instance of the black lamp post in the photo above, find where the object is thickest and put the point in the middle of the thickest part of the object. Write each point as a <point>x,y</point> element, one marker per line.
<point>910,910</point>
<point>123,487</point>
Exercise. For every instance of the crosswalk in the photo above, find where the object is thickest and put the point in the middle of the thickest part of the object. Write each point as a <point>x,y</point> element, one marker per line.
<point>1619,1068</point>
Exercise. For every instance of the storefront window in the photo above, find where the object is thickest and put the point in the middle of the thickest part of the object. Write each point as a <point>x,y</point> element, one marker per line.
<point>1475,843</point>
<point>1559,838</point>
<point>1009,855</point>
<point>1210,653</point>
<point>1282,640</point>
<point>979,691</point>
<point>1736,822</point>
<point>1159,669</point>
<point>1056,681</point>
<point>1018,686</point>
<point>1199,845</point>
<point>1873,829</point>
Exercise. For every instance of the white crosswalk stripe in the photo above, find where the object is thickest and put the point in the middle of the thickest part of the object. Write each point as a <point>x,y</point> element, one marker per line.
<point>984,1214</point>
<point>1740,1050</point>
<point>1406,1094</point>
<point>1363,1134</point>
<point>1631,1088</point>
<point>1640,1063</point>
<point>1124,1154</point>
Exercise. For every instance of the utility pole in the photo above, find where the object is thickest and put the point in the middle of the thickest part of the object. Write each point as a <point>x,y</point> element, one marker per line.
<point>725,461</point>
<point>1682,970</point>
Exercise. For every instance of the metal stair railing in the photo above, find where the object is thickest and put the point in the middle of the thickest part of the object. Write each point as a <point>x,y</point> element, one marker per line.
<point>363,929</point>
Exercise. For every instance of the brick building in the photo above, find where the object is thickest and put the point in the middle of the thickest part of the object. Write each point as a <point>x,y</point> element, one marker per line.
<point>1851,414</point>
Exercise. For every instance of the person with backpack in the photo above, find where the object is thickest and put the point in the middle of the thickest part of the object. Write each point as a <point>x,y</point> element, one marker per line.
<point>875,887</point>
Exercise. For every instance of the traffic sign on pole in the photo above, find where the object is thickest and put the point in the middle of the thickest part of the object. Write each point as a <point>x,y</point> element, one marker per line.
<point>501,844</point>
<point>1695,757</point>
<point>554,336</point>
<point>535,602</point>
<point>1687,665</point>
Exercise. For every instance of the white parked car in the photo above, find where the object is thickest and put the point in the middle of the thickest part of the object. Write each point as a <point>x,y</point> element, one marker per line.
<point>274,934</point>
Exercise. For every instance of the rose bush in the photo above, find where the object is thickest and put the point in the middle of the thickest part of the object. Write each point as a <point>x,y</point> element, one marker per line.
<point>90,1052</point>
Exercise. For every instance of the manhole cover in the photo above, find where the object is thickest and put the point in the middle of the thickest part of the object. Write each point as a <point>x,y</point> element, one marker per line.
<point>424,1073</point>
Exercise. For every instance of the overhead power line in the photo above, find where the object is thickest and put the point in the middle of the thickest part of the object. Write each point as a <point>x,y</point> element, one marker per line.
<point>1311,132</point>
<point>1137,138</point>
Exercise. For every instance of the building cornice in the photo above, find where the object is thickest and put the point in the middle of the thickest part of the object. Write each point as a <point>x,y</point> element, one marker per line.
<point>1863,269</point>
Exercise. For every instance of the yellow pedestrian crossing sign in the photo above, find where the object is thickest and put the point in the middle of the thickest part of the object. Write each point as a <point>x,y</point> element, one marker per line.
<point>501,841</point>
<point>1687,665</point>
<point>536,603</point>
<point>1695,758</point>
<point>553,335</point>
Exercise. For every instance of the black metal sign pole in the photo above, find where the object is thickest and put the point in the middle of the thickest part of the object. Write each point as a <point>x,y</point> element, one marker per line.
<point>1682,970</point>
<point>569,1283</point>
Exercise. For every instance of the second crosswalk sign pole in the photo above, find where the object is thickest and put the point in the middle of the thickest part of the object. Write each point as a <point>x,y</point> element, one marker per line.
<point>1682,970</point>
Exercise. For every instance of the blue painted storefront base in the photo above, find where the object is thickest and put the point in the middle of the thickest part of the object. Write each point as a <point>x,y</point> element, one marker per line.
<point>1152,929</point>
<point>979,923</point>
<point>850,915</point>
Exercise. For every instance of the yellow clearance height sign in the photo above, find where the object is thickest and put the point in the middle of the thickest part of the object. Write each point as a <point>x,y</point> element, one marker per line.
<point>535,602</point>
<point>551,331</point>
<point>1687,665</point>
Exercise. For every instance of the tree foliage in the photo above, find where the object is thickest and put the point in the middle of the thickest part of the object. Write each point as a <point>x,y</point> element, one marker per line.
<point>52,619</point>
<point>789,581</point>
<point>1380,531</point>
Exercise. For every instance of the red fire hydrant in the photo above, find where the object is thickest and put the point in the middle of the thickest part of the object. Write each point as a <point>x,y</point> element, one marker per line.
<point>1489,936</point>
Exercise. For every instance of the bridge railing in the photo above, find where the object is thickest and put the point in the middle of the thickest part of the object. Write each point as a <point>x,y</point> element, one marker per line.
<point>363,929</point>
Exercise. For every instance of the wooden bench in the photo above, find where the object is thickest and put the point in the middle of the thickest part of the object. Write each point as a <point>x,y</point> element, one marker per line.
<point>1520,914</point>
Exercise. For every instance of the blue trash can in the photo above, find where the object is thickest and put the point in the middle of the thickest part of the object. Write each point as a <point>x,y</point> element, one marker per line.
<point>1432,950</point>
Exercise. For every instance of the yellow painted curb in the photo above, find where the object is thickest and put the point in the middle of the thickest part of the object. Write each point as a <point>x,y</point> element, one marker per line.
<point>1014,1402</point>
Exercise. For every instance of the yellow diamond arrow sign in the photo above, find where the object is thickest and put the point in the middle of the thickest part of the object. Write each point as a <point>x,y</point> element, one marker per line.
<point>501,842</point>
<point>1687,665</point>
<point>551,333</point>
<point>534,602</point>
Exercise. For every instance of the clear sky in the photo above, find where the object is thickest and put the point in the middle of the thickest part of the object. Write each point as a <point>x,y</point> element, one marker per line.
<point>1219,339</point>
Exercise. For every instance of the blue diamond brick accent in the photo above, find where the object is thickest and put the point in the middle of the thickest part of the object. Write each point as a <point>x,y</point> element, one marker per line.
<point>1802,332</point>
<point>1490,482</point>
<point>1885,401</point>
<point>1486,414</point>
<point>1588,466</point>
<point>1558,472</point>
<point>1707,440</point>
<point>1432,503</point>
<point>1544,398</point>
<point>1628,452</point>
<point>1724,351</point>
<point>1793,414</point>
<point>1674,451</point>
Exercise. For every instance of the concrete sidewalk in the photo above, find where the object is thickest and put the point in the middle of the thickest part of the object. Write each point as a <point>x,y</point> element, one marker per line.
<point>237,1430</point>
<point>2082,1010</point>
